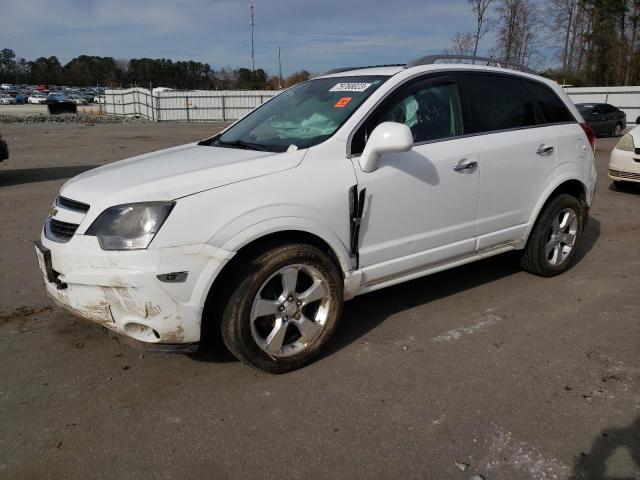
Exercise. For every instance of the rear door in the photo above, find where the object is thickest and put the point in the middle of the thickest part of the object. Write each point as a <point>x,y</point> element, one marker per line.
<point>517,154</point>
<point>570,136</point>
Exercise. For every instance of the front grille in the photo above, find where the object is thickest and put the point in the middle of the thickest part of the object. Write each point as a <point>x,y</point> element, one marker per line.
<point>60,231</point>
<point>638,151</point>
<point>629,175</point>
<point>74,205</point>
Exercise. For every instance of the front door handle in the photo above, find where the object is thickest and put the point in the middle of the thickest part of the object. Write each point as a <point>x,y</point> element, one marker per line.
<point>465,166</point>
<point>545,149</point>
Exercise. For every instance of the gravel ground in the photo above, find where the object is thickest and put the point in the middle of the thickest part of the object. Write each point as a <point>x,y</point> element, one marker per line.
<point>68,118</point>
<point>480,370</point>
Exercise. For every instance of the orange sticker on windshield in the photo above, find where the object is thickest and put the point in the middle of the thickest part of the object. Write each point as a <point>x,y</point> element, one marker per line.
<point>343,102</point>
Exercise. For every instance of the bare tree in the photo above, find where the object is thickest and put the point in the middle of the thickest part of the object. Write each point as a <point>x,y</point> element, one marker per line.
<point>483,25</point>
<point>461,44</point>
<point>518,25</point>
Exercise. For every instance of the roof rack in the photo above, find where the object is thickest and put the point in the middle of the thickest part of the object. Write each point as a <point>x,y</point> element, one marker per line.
<point>346,69</point>
<point>431,59</point>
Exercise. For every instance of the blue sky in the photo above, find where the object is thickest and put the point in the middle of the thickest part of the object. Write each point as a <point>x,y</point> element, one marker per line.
<point>315,35</point>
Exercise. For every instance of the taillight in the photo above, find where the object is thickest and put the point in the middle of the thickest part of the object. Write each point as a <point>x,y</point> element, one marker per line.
<point>591,135</point>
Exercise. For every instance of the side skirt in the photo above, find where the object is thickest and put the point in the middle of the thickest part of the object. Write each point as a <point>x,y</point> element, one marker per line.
<point>433,268</point>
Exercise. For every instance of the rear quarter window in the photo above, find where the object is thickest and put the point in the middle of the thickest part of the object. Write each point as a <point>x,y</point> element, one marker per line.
<point>499,102</point>
<point>553,108</point>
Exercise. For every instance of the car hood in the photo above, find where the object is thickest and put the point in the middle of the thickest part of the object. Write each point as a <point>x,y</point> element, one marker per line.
<point>173,173</point>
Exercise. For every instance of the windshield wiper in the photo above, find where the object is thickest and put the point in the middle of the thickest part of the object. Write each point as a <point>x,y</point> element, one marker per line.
<point>242,144</point>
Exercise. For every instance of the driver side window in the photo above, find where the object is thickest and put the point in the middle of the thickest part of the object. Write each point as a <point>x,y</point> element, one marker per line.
<point>430,109</point>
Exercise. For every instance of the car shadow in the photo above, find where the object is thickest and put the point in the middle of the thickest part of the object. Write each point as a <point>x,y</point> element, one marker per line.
<point>22,176</point>
<point>590,238</point>
<point>593,465</point>
<point>629,187</point>
<point>364,313</point>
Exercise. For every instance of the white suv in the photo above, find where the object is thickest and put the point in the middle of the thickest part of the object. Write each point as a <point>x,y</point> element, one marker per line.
<point>339,186</point>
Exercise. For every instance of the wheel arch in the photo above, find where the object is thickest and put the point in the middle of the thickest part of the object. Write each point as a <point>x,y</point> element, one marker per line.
<point>569,185</point>
<point>247,245</point>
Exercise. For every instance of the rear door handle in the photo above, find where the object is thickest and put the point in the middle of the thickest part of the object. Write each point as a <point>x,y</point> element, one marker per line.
<point>465,166</point>
<point>545,149</point>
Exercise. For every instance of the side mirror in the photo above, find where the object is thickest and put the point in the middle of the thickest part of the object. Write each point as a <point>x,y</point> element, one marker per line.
<point>388,137</point>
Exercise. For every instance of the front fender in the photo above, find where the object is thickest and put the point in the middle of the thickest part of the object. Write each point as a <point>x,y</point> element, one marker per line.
<point>290,223</point>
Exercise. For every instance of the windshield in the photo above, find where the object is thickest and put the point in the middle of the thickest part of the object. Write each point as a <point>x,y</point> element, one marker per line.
<point>303,116</point>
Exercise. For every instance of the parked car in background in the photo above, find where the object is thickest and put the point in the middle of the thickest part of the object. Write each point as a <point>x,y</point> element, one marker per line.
<point>4,149</point>
<point>56,97</point>
<point>99,99</point>
<point>603,118</point>
<point>21,97</point>
<point>624,163</point>
<point>77,99</point>
<point>442,164</point>
<point>88,96</point>
<point>7,99</point>
<point>37,98</point>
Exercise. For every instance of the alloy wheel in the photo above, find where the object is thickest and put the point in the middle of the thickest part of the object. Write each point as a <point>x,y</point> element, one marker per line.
<point>561,237</point>
<point>290,310</point>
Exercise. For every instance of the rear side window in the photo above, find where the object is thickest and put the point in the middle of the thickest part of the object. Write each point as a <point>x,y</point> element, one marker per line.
<point>499,102</point>
<point>553,109</point>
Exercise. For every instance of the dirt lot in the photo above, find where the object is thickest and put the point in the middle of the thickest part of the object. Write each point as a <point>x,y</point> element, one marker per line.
<point>517,377</point>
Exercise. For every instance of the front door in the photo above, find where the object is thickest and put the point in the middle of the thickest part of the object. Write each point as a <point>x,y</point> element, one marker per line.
<point>420,205</point>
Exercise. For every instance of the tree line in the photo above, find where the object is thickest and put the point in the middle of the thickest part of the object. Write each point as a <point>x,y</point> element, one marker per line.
<point>590,42</point>
<point>87,70</point>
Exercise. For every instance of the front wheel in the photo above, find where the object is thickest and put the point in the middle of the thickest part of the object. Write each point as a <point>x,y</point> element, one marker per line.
<point>284,308</point>
<point>555,237</point>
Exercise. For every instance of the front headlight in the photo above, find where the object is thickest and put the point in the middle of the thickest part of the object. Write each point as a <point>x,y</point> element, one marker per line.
<point>131,226</point>
<point>626,143</point>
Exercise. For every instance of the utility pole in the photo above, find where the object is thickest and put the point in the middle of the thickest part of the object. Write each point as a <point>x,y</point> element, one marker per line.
<point>253,24</point>
<point>279,69</point>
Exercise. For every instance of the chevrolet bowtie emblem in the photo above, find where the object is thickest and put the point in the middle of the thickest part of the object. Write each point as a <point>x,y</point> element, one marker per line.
<point>53,212</point>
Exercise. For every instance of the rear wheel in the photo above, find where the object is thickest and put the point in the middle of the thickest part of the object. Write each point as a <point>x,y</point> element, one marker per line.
<point>617,131</point>
<point>555,237</point>
<point>284,308</point>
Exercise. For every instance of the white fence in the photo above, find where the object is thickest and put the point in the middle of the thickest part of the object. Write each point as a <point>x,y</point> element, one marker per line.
<point>229,105</point>
<point>626,99</point>
<point>184,106</point>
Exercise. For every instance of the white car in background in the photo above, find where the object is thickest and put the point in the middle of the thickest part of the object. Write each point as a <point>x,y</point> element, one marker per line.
<point>7,99</point>
<point>345,184</point>
<point>624,163</point>
<point>77,99</point>
<point>37,98</point>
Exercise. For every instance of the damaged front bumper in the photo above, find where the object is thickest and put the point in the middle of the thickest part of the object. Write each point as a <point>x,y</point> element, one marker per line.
<point>155,296</point>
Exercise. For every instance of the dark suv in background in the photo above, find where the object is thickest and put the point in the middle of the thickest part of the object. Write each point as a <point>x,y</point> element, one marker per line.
<point>603,118</point>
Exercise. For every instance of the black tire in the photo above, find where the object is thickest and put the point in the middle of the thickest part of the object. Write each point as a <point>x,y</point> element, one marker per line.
<point>620,184</point>
<point>236,318</point>
<point>535,259</point>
